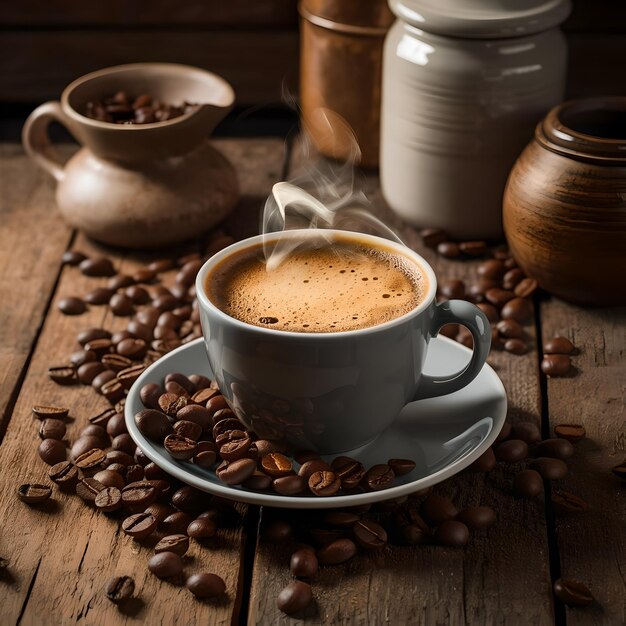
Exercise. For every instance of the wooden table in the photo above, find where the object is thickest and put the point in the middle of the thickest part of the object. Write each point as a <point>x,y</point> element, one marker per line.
<point>62,554</point>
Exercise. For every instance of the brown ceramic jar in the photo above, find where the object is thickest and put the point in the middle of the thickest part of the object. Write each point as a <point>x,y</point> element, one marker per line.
<point>341,47</point>
<point>565,202</point>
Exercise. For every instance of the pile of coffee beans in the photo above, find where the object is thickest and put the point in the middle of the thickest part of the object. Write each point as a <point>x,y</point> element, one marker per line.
<point>193,421</point>
<point>122,108</point>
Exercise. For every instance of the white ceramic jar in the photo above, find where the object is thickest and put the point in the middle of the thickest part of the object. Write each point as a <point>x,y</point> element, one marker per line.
<point>464,84</point>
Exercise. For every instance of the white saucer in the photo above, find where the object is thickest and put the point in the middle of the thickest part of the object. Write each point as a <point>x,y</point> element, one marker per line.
<point>442,435</point>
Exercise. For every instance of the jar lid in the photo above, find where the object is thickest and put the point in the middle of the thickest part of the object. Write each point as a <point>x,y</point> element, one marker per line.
<point>482,19</point>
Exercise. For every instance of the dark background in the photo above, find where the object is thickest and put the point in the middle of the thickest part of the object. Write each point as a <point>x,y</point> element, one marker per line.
<point>45,44</point>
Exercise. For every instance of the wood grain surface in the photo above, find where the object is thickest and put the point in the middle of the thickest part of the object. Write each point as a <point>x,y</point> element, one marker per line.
<point>62,553</point>
<point>592,545</point>
<point>432,584</point>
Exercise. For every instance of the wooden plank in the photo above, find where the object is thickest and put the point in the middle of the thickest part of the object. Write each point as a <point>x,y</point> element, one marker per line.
<point>594,62</point>
<point>213,13</point>
<point>32,239</point>
<point>592,544</point>
<point>38,65</point>
<point>430,584</point>
<point>61,555</point>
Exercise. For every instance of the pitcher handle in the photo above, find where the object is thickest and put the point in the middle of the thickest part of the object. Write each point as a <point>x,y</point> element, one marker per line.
<point>36,140</point>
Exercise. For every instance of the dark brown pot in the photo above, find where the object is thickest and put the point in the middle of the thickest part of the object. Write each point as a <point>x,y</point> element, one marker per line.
<point>565,202</point>
<point>341,47</point>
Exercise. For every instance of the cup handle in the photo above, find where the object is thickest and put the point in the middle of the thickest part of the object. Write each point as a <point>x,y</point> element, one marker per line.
<point>36,140</point>
<point>470,316</point>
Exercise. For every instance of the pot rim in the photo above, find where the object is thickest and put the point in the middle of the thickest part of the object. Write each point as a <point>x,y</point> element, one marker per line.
<point>555,131</point>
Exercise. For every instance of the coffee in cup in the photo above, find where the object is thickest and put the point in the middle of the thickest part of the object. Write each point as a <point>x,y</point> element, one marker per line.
<point>321,287</point>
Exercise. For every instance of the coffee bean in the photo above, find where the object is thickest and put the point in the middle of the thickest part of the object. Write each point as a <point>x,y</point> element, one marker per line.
<point>109,499</point>
<point>51,428</point>
<point>324,483</point>
<point>448,249</point>
<point>166,302</point>
<point>187,429</point>
<point>549,468</point>
<point>132,348</point>
<point>527,431</point>
<point>517,309</point>
<point>498,297</point>
<point>568,502</point>
<point>342,519</point>
<point>477,517</point>
<point>556,364</point>
<point>71,306</point>
<point>295,597</point>
<point>304,564</point>
<point>138,494</point>
<point>237,471</point>
<point>92,334</point>
<point>412,535</point>
<point>556,448</point>
<point>165,565</point>
<point>572,592</point>
<point>179,447</point>
<point>132,473</point>
<point>205,585</point>
<point>150,394</point>
<point>570,432</point>
<point>257,482</point>
<point>99,296</point>
<point>113,390</point>
<point>437,509</point>
<point>101,379</point>
<point>452,289</point>
<point>401,467</point>
<point>510,329</point>
<point>88,371</point>
<point>33,493</point>
<point>202,529</point>
<point>512,278</point>
<point>139,526</point>
<point>144,275</point>
<point>278,531</point>
<point>176,523</point>
<point>515,346</point>
<point>310,467</point>
<point>52,451</point>
<point>178,544</point>
<point>152,424</point>
<point>432,237</point>
<point>119,456</point>
<point>119,589</point>
<point>64,474</point>
<point>350,471</point>
<point>558,345</point>
<point>63,375</point>
<point>170,404</point>
<point>90,459</point>
<point>379,477</point>
<point>88,488</point>
<point>289,485</point>
<point>202,396</point>
<point>484,463</point>
<point>473,248</point>
<point>490,311</point>
<point>526,287</point>
<point>324,536</point>
<point>492,269</point>
<point>452,533</point>
<point>73,257</point>
<point>110,478</point>
<point>99,346</point>
<point>369,535</point>
<point>511,451</point>
<point>115,362</point>
<point>119,281</point>
<point>189,499</point>
<point>197,414</point>
<point>336,552</point>
<point>619,470</point>
<point>275,464</point>
<point>43,412</point>
<point>97,267</point>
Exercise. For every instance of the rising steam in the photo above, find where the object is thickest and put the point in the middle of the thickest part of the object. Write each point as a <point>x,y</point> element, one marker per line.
<point>325,194</point>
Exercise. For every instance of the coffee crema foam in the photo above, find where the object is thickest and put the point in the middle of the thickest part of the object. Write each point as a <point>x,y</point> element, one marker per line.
<point>338,287</point>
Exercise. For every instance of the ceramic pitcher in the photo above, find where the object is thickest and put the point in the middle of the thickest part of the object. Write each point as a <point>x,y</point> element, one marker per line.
<point>144,185</point>
<point>464,83</point>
